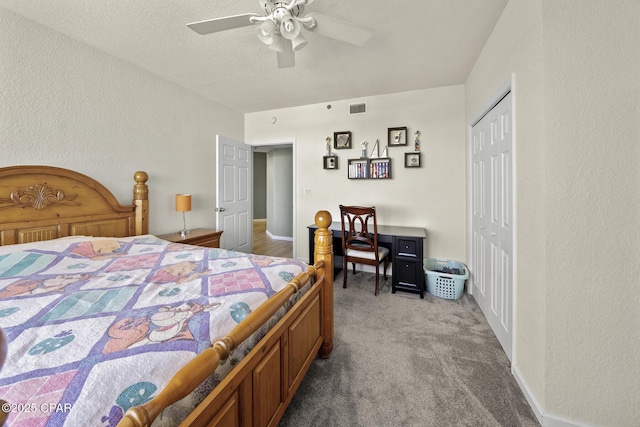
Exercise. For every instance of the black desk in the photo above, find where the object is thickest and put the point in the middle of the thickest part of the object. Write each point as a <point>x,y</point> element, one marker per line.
<point>405,248</point>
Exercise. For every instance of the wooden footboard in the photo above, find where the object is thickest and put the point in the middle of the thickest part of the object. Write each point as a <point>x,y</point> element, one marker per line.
<point>258,390</point>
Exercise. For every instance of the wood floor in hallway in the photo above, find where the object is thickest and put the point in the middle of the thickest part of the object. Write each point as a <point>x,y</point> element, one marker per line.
<point>265,245</point>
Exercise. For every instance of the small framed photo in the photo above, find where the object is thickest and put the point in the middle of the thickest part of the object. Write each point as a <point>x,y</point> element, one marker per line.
<point>397,136</point>
<point>330,162</point>
<point>341,140</point>
<point>412,160</point>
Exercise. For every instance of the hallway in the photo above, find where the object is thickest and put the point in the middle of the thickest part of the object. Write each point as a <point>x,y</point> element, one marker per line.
<point>265,245</point>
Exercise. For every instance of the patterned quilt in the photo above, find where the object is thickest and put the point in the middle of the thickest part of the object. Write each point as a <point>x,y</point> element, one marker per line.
<point>96,325</point>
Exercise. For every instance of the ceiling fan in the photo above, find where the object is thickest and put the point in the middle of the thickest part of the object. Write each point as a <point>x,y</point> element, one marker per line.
<point>281,27</point>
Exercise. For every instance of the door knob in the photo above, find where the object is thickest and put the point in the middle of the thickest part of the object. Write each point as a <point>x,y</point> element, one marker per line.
<point>220,209</point>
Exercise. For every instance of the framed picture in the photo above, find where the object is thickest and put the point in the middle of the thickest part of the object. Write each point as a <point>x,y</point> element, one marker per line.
<point>341,140</point>
<point>397,136</point>
<point>330,162</point>
<point>412,160</point>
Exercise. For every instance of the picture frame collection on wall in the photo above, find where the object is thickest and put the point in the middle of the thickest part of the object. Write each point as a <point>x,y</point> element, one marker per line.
<point>342,140</point>
<point>396,137</point>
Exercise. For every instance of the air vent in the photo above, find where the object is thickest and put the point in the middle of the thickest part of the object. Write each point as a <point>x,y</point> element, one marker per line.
<point>357,108</point>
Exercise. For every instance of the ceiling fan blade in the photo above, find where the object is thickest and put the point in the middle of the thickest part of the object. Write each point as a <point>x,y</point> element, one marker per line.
<point>340,30</point>
<point>286,58</point>
<point>221,24</point>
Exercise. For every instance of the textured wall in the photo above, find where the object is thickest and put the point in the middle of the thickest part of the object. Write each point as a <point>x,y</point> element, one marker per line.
<point>69,105</point>
<point>591,143</point>
<point>432,196</point>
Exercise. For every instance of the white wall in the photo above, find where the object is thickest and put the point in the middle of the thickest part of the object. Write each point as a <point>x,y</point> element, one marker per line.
<point>577,106</point>
<point>67,104</point>
<point>592,151</point>
<point>432,197</point>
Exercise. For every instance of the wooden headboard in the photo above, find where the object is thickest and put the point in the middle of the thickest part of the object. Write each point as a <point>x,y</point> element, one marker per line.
<point>43,202</point>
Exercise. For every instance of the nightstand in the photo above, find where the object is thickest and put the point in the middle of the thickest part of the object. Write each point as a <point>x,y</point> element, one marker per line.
<point>207,237</point>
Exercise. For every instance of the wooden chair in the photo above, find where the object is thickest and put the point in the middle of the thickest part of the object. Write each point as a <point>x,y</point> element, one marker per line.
<point>359,244</point>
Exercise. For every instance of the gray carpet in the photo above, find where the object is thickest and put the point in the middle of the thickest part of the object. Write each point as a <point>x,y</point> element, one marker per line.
<point>402,361</point>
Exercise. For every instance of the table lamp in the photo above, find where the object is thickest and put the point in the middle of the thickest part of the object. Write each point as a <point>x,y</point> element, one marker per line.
<point>183,204</point>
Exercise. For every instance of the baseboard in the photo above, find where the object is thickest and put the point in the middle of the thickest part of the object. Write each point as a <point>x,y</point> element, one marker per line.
<point>545,420</point>
<point>533,402</point>
<point>551,420</point>
<point>290,239</point>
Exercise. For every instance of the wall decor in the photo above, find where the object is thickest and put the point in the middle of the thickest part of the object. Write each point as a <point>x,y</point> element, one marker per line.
<point>416,144</point>
<point>412,160</point>
<point>375,151</point>
<point>397,136</point>
<point>379,168</point>
<point>341,140</point>
<point>330,162</point>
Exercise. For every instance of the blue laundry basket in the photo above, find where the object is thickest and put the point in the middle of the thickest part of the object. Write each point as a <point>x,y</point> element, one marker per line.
<point>445,278</point>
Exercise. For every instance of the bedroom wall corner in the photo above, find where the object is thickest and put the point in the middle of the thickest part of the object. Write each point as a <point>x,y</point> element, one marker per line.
<point>70,105</point>
<point>577,111</point>
<point>514,52</point>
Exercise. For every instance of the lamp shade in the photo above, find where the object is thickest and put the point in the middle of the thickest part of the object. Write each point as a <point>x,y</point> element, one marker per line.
<point>183,202</point>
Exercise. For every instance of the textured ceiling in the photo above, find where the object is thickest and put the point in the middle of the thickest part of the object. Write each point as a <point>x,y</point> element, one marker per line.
<point>417,44</point>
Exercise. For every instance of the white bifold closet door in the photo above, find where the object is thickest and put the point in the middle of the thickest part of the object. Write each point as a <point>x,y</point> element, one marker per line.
<point>492,219</point>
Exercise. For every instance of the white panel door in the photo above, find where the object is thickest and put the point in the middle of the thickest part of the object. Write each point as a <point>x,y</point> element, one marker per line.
<point>234,194</point>
<point>492,219</point>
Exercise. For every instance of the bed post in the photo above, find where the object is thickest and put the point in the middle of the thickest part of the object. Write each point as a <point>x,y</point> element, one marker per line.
<point>141,202</point>
<point>324,252</point>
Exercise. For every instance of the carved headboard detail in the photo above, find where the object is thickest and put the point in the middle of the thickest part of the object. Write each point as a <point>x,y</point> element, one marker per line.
<point>37,197</point>
<point>44,202</point>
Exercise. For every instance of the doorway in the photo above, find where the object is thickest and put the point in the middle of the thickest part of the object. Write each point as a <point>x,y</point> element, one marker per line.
<point>273,199</point>
<point>492,213</point>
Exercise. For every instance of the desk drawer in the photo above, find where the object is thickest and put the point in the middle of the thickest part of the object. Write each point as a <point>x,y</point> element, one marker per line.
<point>407,247</point>
<point>407,273</point>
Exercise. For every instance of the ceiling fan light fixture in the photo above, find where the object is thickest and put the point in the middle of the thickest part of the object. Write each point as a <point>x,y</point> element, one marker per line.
<point>289,27</point>
<point>266,32</point>
<point>277,43</point>
<point>298,42</point>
